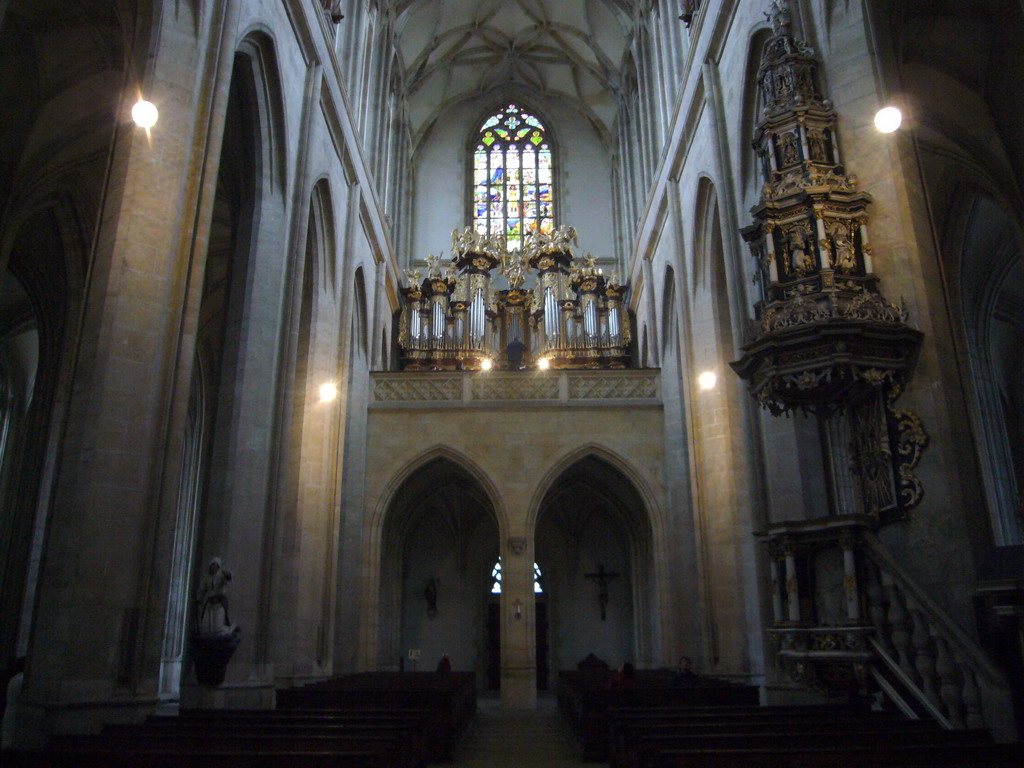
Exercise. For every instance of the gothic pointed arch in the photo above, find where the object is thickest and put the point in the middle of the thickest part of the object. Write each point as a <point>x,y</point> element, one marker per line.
<point>439,535</point>
<point>360,331</point>
<point>594,536</point>
<point>259,74</point>
<point>606,455</point>
<point>323,228</point>
<point>750,113</point>
<point>414,465</point>
<point>669,311</point>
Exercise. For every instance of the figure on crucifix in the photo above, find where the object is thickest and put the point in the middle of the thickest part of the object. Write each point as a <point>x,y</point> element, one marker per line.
<point>602,579</point>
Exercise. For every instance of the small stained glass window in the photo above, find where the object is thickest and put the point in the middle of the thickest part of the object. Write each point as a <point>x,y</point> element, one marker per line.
<point>496,578</point>
<point>512,190</point>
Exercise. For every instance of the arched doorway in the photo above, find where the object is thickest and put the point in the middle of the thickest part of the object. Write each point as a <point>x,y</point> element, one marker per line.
<point>440,542</point>
<point>593,536</point>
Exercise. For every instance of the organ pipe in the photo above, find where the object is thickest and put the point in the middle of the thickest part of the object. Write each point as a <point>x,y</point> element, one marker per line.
<point>455,318</point>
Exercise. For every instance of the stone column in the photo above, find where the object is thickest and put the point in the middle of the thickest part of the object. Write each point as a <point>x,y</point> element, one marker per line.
<point>518,617</point>
<point>95,651</point>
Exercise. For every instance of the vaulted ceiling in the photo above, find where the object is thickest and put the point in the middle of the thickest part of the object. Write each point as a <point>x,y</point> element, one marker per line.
<point>572,50</point>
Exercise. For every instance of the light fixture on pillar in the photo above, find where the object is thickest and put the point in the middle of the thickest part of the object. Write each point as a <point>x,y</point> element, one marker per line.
<point>517,608</point>
<point>888,119</point>
<point>145,114</point>
<point>328,392</point>
<point>707,380</point>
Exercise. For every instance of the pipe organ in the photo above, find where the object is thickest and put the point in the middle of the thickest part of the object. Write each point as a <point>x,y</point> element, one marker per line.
<point>457,318</point>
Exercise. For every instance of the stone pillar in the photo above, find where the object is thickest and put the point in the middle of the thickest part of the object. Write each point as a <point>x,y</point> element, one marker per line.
<point>95,650</point>
<point>518,618</point>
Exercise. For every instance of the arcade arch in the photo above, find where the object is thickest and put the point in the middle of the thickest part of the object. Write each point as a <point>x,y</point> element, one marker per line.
<point>593,537</point>
<point>440,539</point>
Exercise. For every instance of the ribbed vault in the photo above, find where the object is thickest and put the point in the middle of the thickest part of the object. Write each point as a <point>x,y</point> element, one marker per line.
<point>572,50</point>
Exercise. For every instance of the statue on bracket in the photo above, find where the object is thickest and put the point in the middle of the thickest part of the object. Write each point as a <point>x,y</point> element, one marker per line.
<point>430,595</point>
<point>216,638</point>
<point>333,7</point>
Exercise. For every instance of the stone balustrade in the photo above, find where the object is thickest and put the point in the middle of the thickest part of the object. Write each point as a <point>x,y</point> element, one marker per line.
<point>486,389</point>
<point>848,615</point>
<point>949,673</point>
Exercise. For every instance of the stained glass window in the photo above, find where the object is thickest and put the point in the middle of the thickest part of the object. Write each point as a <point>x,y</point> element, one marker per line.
<point>512,177</point>
<point>496,578</point>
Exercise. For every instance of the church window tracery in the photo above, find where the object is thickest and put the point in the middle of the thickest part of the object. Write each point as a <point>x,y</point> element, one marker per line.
<point>496,579</point>
<point>513,185</point>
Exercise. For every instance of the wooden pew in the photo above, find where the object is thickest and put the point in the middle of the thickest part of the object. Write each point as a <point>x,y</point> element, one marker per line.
<point>375,738</point>
<point>860,756</point>
<point>626,736</point>
<point>108,758</point>
<point>449,698</point>
<point>585,702</point>
<point>398,753</point>
<point>409,725</point>
<point>648,749</point>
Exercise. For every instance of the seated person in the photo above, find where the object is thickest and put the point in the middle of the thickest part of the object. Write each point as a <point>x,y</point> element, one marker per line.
<point>684,676</point>
<point>623,679</point>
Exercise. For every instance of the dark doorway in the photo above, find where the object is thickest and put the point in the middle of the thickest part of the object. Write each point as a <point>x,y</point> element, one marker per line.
<point>542,645</point>
<point>494,645</point>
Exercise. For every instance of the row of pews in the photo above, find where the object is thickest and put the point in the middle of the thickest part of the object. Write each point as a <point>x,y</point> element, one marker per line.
<point>385,720</point>
<point>585,701</point>
<point>448,698</point>
<point>714,724</point>
<point>794,737</point>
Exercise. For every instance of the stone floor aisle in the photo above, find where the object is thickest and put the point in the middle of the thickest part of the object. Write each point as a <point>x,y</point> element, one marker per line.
<point>532,739</point>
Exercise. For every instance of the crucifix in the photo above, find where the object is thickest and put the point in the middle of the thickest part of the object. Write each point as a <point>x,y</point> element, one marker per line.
<point>601,578</point>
